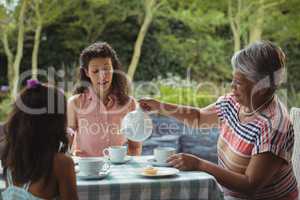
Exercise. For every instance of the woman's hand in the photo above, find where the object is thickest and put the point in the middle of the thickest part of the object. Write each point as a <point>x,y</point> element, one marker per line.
<point>150,105</point>
<point>185,161</point>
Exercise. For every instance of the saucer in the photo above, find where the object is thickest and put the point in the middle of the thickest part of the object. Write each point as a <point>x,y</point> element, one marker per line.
<point>155,163</point>
<point>77,158</point>
<point>101,175</point>
<point>126,159</point>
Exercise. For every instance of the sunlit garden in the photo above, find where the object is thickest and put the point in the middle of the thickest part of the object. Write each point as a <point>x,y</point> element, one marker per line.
<point>172,58</point>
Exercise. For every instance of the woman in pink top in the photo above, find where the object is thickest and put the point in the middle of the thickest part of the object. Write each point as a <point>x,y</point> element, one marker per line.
<point>99,103</point>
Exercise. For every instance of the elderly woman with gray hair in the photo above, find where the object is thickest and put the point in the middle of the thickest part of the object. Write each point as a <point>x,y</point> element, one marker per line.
<point>256,135</point>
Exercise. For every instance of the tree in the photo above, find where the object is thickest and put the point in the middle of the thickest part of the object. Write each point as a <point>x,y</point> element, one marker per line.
<point>87,19</point>
<point>235,23</point>
<point>14,60</point>
<point>284,24</point>
<point>249,20</point>
<point>45,12</point>
<point>193,37</point>
<point>150,8</point>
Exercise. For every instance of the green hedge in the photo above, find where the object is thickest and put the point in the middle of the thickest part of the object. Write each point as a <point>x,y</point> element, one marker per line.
<point>185,96</point>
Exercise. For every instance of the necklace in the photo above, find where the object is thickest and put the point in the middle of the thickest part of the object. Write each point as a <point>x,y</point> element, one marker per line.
<point>257,109</point>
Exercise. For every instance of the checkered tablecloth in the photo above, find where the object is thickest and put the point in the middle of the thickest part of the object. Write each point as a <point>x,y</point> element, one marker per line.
<point>125,183</point>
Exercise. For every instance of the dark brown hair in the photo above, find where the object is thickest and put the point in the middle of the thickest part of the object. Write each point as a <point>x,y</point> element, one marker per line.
<point>119,85</point>
<point>34,137</point>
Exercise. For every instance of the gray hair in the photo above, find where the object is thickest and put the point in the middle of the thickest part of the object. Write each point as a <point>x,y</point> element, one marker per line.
<point>262,62</point>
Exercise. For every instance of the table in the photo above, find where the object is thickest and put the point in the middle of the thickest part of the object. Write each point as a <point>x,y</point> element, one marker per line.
<point>124,183</point>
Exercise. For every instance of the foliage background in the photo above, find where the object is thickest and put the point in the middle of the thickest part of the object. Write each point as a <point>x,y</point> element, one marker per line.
<point>185,37</point>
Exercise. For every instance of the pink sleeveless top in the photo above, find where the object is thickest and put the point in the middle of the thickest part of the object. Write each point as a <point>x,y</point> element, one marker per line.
<point>98,125</point>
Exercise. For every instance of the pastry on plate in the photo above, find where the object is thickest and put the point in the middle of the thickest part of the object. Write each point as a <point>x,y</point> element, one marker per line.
<point>150,171</point>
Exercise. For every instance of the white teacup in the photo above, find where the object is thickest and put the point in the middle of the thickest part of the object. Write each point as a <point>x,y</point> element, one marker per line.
<point>161,154</point>
<point>92,166</point>
<point>116,153</point>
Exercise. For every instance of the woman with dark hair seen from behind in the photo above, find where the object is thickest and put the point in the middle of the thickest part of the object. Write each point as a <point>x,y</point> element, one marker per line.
<point>35,165</point>
<point>256,139</point>
<point>99,103</point>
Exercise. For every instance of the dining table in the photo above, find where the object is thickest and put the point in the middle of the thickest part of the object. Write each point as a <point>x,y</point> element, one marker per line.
<point>126,181</point>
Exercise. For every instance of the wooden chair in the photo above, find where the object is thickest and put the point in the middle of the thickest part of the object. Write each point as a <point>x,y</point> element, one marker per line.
<point>295,116</point>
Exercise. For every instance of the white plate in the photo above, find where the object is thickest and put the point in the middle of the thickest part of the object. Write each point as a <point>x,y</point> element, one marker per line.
<point>155,163</point>
<point>161,172</point>
<point>101,175</point>
<point>126,159</point>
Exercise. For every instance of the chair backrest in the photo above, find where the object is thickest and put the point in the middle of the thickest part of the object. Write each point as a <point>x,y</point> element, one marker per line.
<point>295,116</point>
<point>2,138</point>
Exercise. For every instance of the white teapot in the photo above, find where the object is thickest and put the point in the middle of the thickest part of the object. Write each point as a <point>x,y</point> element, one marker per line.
<point>137,125</point>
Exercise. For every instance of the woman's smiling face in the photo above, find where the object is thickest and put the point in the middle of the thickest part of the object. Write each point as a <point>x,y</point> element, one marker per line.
<point>100,72</point>
<point>241,88</point>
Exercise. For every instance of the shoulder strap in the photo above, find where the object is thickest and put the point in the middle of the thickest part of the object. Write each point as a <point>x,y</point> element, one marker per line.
<point>10,181</point>
<point>26,186</point>
<point>9,177</point>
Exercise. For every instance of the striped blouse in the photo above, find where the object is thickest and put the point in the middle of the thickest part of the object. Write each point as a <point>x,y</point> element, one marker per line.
<point>269,131</point>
